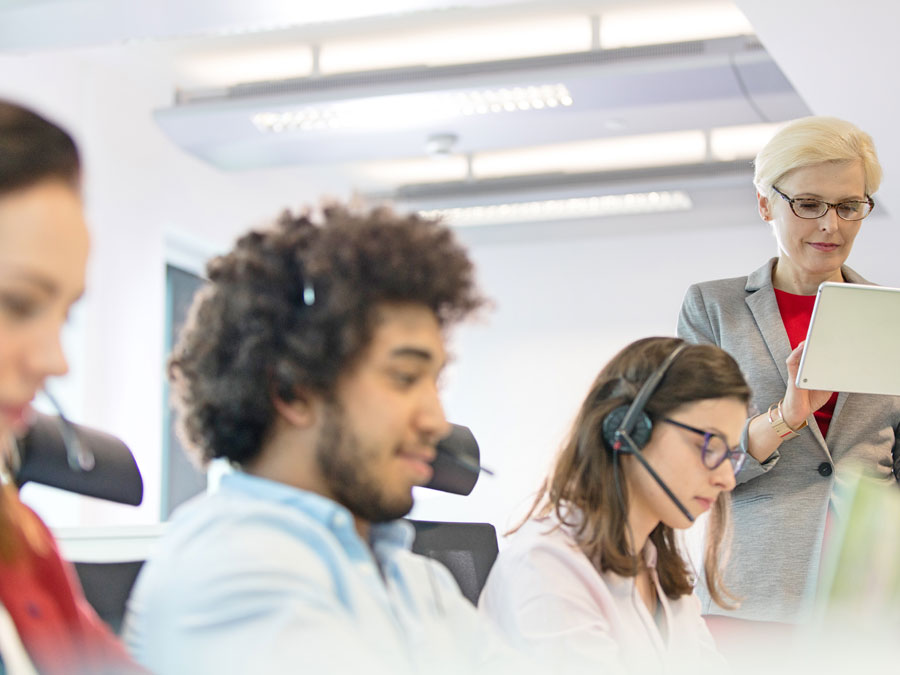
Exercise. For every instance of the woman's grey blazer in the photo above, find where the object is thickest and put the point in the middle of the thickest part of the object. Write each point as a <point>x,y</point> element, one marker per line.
<point>779,506</point>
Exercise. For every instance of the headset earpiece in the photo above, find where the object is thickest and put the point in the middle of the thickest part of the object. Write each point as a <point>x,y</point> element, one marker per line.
<point>640,434</point>
<point>631,420</point>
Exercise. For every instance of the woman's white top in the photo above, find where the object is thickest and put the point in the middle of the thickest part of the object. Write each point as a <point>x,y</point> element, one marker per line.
<point>12,651</point>
<point>550,601</point>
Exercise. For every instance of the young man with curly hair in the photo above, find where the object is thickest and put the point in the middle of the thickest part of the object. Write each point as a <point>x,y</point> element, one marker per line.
<point>310,362</point>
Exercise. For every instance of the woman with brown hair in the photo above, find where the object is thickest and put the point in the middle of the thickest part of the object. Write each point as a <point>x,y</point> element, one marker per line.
<point>46,625</point>
<point>593,580</point>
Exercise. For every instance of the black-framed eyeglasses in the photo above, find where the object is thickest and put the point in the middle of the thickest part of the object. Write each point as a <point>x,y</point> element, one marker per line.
<point>715,448</point>
<point>809,208</point>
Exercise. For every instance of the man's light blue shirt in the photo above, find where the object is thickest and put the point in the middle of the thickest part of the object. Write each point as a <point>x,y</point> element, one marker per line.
<point>261,577</point>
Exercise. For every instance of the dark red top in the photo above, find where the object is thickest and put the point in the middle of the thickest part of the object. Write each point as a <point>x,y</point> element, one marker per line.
<point>58,628</point>
<point>796,311</point>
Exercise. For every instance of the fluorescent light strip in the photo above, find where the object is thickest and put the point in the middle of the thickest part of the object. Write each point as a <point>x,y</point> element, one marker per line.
<point>632,27</point>
<point>513,99</point>
<point>560,209</point>
<point>604,154</point>
<point>415,108</point>
<point>304,119</point>
<point>412,171</point>
<point>461,43</point>
<point>727,144</point>
<point>608,154</point>
<point>223,67</point>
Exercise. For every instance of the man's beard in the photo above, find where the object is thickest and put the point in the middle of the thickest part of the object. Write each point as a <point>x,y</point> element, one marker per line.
<point>346,467</point>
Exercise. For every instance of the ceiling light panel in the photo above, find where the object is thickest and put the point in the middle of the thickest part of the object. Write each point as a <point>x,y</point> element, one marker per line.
<point>608,154</point>
<point>459,44</point>
<point>413,109</point>
<point>676,22</point>
<point>394,114</point>
<point>562,209</point>
<point>513,99</point>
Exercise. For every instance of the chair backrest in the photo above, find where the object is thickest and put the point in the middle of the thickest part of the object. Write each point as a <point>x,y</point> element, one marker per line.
<point>468,550</point>
<point>107,586</point>
<point>112,474</point>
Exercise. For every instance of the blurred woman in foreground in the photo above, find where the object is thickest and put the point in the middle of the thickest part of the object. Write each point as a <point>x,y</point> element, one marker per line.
<point>46,625</point>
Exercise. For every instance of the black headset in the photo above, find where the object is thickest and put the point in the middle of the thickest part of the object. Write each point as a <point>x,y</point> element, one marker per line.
<point>627,429</point>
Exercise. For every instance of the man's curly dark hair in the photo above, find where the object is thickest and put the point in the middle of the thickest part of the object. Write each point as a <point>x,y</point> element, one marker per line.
<point>256,331</point>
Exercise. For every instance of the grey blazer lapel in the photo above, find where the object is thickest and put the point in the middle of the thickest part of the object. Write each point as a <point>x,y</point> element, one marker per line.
<point>764,307</point>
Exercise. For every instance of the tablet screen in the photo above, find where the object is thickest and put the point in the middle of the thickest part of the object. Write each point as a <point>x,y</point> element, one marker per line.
<point>853,343</point>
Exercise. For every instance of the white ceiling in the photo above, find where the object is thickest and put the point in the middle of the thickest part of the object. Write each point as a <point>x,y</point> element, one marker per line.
<point>42,24</point>
<point>697,85</point>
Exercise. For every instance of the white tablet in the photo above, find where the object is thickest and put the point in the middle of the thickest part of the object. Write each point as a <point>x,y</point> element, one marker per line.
<point>853,343</point>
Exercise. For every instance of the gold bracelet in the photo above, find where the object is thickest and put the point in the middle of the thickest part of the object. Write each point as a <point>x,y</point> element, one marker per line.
<point>784,431</point>
<point>781,413</point>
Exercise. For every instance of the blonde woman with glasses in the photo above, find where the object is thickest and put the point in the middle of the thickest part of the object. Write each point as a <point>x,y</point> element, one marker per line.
<point>814,181</point>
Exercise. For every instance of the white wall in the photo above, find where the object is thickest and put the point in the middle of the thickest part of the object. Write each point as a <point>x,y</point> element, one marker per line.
<point>138,186</point>
<point>563,309</point>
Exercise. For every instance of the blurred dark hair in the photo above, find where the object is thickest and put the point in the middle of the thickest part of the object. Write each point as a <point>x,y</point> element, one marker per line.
<point>255,331</point>
<point>33,149</point>
<point>583,475</point>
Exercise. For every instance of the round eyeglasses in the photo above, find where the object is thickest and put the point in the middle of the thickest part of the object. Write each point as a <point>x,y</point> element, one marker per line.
<point>715,448</point>
<point>809,208</point>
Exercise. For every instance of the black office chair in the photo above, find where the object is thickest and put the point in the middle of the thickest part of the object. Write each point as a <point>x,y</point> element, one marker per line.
<point>468,550</point>
<point>107,586</point>
<point>104,468</point>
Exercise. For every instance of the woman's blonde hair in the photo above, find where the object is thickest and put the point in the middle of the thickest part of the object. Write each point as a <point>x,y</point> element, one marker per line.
<point>583,479</point>
<point>814,140</point>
